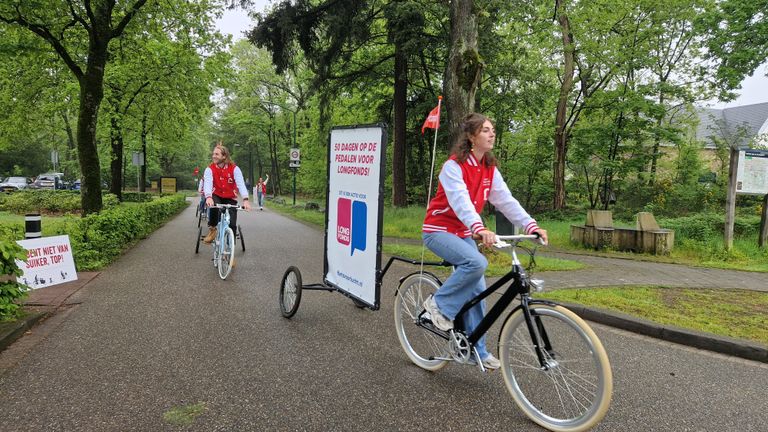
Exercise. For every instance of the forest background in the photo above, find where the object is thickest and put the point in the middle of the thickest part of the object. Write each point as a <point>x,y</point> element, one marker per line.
<point>594,102</point>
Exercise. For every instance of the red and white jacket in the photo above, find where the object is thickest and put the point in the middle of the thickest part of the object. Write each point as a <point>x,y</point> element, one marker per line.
<point>224,182</point>
<point>462,191</point>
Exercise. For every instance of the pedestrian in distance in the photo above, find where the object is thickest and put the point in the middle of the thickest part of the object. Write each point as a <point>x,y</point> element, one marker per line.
<point>261,191</point>
<point>222,182</point>
<point>467,180</point>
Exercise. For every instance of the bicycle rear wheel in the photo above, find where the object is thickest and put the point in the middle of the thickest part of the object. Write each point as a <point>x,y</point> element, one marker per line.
<point>290,292</point>
<point>423,346</point>
<point>573,391</point>
<point>227,255</point>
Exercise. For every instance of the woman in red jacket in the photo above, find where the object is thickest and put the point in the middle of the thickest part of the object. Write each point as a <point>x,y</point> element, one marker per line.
<point>467,180</point>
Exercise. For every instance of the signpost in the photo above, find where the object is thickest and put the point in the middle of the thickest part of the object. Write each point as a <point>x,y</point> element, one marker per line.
<point>54,159</point>
<point>295,162</point>
<point>138,160</point>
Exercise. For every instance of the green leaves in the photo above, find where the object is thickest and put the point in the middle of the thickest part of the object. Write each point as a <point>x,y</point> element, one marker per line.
<point>10,292</point>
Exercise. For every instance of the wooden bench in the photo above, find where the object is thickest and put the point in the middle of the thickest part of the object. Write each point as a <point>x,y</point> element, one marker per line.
<point>599,233</point>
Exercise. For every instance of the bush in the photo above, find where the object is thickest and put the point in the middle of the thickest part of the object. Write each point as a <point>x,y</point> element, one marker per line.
<point>49,201</point>
<point>137,197</point>
<point>705,226</point>
<point>97,239</point>
<point>10,292</point>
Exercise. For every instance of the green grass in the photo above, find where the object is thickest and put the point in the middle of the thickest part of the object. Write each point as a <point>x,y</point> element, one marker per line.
<point>499,263</point>
<point>184,415</point>
<point>745,255</point>
<point>734,313</point>
<point>313,217</point>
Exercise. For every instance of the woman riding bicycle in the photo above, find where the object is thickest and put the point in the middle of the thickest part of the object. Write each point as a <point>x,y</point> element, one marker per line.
<point>467,180</point>
<point>222,181</point>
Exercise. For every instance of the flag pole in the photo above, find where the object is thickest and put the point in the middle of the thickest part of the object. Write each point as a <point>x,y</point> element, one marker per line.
<point>431,176</point>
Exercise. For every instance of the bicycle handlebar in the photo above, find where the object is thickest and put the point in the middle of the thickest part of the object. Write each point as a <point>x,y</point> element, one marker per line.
<point>227,206</point>
<point>501,240</point>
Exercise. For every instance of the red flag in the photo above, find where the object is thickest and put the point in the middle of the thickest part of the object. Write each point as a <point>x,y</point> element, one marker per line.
<point>433,119</point>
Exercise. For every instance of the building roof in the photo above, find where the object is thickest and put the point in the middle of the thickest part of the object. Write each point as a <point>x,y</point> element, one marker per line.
<point>735,124</point>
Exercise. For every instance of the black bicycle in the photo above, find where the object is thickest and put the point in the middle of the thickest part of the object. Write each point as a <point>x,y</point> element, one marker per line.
<point>552,362</point>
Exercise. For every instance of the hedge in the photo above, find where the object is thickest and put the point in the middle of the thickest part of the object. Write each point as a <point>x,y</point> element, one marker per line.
<point>49,201</point>
<point>10,292</point>
<point>98,239</point>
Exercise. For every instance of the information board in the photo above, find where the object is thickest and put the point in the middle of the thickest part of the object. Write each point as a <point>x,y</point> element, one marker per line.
<point>752,173</point>
<point>167,184</point>
<point>354,211</point>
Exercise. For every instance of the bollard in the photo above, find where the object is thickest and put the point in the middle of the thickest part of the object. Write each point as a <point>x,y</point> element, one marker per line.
<point>32,226</point>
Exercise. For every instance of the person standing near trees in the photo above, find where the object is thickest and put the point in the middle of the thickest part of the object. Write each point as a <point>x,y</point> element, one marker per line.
<point>261,191</point>
<point>222,181</point>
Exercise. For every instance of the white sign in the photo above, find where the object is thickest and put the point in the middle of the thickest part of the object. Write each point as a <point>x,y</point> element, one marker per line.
<point>49,262</point>
<point>295,155</point>
<point>138,158</point>
<point>54,157</point>
<point>752,172</point>
<point>354,205</point>
<point>294,164</point>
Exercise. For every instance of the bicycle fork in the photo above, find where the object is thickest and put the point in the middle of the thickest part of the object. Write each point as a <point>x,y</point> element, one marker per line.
<point>538,334</point>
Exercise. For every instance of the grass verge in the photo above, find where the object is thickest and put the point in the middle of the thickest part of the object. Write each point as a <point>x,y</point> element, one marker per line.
<point>733,313</point>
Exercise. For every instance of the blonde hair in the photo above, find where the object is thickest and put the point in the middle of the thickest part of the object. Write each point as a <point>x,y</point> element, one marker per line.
<point>224,152</point>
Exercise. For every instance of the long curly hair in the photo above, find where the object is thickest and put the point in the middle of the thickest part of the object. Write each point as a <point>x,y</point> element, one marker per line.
<point>224,152</point>
<point>470,126</point>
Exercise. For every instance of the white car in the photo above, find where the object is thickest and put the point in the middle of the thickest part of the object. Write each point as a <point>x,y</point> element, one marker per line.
<point>12,184</point>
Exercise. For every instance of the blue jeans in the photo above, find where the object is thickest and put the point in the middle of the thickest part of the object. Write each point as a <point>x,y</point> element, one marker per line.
<point>260,199</point>
<point>466,282</point>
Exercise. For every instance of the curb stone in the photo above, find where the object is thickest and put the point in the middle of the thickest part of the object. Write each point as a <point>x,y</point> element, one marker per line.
<point>721,344</point>
<point>10,332</point>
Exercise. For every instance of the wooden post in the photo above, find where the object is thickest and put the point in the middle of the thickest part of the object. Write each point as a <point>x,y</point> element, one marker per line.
<point>762,238</point>
<point>730,201</point>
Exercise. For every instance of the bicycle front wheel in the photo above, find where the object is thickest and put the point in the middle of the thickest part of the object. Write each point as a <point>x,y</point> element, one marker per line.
<point>227,255</point>
<point>572,391</point>
<point>423,346</point>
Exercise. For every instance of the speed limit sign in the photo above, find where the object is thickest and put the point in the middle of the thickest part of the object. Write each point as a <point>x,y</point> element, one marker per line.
<point>295,154</point>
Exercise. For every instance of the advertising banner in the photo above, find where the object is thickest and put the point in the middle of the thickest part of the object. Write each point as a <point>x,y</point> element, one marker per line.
<point>49,262</point>
<point>354,211</point>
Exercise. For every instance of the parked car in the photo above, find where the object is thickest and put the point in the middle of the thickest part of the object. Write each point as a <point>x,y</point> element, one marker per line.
<point>75,185</point>
<point>13,184</point>
<point>49,181</point>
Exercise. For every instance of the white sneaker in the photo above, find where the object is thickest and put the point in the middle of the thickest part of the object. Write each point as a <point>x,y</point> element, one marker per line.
<point>438,319</point>
<point>489,363</point>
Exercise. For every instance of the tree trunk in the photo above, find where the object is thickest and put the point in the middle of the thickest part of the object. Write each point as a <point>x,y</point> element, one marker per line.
<point>561,130</point>
<point>462,73</point>
<point>143,167</point>
<point>68,129</point>
<point>399,193</point>
<point>657,140</point>
<point>116,165</point>
<point>91,94</point>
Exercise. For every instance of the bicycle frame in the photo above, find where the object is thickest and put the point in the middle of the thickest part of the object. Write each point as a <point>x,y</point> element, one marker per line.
<point>223,224</point>
<point>518,287</point>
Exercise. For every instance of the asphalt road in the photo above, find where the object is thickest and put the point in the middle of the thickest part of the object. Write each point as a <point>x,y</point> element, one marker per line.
<point>158,330</point>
